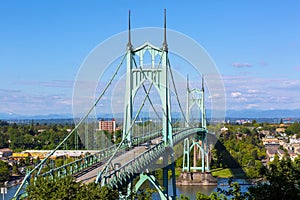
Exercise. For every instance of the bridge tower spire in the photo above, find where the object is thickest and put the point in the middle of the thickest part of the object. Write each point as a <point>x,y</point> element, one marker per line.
<point>127,132</point>
<point>165,45</point>
<point>129,45</point>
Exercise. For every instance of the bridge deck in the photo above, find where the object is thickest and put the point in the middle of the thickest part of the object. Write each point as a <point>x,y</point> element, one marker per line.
<point>90,174</point>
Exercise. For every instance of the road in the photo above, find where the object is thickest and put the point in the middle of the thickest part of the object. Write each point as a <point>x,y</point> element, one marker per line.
<point>90,174</point>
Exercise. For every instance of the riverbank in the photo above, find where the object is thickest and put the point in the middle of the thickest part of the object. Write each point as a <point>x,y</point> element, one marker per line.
<point>15,180</point>
<point>229,173</point>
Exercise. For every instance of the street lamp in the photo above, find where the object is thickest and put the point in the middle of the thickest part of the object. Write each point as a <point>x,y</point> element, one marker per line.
<point>3,191</point>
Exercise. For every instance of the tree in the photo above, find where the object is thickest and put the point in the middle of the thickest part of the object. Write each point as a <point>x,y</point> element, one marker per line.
<point>67,188</point>
<point>293,129</point>
<point>4,171</point>
<point>15,170</point>
<point>283,180</point>
<point>215,160</point>
<point>59,162</point>
<point>183,197</point>
<point>201,196</point>
<point>94,191</point>
<point>144,194</point>
<point>233,191</point>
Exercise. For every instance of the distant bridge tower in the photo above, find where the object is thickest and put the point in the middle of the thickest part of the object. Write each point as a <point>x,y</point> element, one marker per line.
<point>195,96</point>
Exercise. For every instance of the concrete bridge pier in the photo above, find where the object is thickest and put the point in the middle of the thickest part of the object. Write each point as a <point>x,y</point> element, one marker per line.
<point>194,175</point>
<point>169,163</point>
<point>196,179</point>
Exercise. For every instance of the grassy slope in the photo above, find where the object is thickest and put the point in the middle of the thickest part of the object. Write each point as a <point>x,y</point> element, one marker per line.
<point>228,172</point>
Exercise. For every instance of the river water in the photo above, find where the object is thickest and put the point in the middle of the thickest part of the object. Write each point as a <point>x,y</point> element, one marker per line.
<point>189,191</point>
<point>10,192</point>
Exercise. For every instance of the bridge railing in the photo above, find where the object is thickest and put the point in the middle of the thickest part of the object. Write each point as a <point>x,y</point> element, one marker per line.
<point>133,167</point>
<point>142,162</point>
<point>80,164</point>
<point>182,134</point>
<point>146,137</point>
<point>89,160</point>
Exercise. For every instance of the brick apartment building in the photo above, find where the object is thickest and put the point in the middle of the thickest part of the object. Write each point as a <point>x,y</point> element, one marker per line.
<point>109,126</point>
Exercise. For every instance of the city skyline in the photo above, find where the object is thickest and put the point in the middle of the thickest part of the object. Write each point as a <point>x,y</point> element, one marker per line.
<point>255,46</point>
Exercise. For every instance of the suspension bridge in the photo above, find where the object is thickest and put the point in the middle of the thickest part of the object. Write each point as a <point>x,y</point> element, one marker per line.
<point>118,165</point>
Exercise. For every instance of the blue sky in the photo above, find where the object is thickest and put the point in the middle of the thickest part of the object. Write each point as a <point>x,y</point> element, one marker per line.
<point>255,44</point>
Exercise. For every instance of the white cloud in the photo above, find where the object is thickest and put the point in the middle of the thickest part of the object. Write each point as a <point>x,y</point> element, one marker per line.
<point>212,96</point>
<point>249,106</point>
<point>252,91</point>
<point>54,83</point>
<point>242,99</point>
<point>32,104</point>
<point>240,65</point>
<point>265,93</point>
<point>236,94</point>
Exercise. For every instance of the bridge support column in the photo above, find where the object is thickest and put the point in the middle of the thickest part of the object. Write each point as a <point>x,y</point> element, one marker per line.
<point>202,157</point>
<point>195,155</point>
<point>186,155</point>
<point>166,180</point>
<point>127,132</point>
<point>196,175</point>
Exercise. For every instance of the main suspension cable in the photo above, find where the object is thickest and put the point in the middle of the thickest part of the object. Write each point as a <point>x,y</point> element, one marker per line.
<point>105,168</point>
<point>176,93</point>
<point>75,128</point>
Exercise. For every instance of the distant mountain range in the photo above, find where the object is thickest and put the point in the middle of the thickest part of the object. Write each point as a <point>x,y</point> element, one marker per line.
<point>229,114</point>
<point>263,113</point>
<point>7,116</point>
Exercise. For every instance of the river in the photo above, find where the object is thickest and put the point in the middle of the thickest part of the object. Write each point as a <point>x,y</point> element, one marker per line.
<point>189,191</point>
<point>10,192</point>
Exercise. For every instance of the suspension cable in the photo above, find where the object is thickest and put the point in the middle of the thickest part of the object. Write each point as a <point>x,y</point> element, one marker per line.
<point>105,168</point>
<point>146,90</point>
<point>176,93</point>
<point>75,128</point>
<point>152,82</point>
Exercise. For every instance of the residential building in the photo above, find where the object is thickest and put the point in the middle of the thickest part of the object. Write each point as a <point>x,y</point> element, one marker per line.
<point>5,152</point>
<point>109,126</point>
<point>271,153</point>
<point>280,130</point>
<point>273,141</point>
<point>280,154</point>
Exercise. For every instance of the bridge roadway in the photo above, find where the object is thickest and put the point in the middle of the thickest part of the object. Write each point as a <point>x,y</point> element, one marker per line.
<point>89,175</point>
